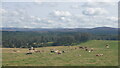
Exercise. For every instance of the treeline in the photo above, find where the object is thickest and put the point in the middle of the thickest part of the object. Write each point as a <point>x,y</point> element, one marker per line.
<point>23,39</point>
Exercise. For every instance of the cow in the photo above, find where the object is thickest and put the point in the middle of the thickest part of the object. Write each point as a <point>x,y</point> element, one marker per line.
<point>81,47</point>
<point>57,51</point>
<point>37,51</point>
<point>99,54</point>
<point>86,49</point>
<point>28,53</point>
<point>107,46</point>
<point>52,51</point>
<point>63,51</point>
<point>92,49</point>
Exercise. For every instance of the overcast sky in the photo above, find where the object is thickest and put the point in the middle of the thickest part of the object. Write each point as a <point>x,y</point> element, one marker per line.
<point>59,14</point>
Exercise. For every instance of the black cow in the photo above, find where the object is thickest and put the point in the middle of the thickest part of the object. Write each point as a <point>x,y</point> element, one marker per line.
<point>52,51</point>
<point>28,53</point>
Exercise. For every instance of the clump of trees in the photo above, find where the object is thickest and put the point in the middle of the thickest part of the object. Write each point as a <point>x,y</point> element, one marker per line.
<point>40,39</point>
<point>19,39</point>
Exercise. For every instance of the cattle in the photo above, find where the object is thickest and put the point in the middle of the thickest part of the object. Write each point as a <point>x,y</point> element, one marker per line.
<point>91,49</point>
<point>52,51</point>
<point>107,46</point>
<point>31,51</point>
<point>37,51</point>
<point>63,51</point>
<point>57,51</point>
<point>28,53</point>
<point>31,48</point>
<point>86,49</point>
<point>60,52</point>
<point>99,54</point>
<point>81,47</point>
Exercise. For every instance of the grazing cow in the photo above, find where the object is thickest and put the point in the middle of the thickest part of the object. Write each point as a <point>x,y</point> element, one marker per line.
<point>107,46</point>
<point>28,53</point>
<point>57,51</point>
<point>86,49</point>
<point>31,49</point>
<point>63,51</point>
<point>37,51</point>
<point>91,49</point>
<point>52,51</point>
<point>99,55</point>
<point>81,47</point>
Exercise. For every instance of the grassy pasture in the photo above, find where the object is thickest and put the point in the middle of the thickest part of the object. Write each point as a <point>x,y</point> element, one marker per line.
<point>70,58</point>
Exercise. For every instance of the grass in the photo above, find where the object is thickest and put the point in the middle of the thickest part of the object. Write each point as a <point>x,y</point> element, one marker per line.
<point>70,58</point>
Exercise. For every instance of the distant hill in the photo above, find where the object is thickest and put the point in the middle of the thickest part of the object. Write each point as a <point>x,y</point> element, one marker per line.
<point>97,30</point>
<point>104,30</point>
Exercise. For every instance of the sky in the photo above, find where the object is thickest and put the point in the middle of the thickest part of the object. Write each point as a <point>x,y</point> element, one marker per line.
<point>39,14</point>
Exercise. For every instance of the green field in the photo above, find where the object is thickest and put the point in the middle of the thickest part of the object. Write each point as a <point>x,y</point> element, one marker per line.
<point>71,57</point>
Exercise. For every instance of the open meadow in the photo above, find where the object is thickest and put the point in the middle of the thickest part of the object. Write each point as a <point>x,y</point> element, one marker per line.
<point>73,56</point>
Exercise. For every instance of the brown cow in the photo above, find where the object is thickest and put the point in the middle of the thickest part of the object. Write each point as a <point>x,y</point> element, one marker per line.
<point>99,54</point>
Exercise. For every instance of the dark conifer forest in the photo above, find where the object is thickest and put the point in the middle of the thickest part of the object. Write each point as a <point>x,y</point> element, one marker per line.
<point>25,38</point>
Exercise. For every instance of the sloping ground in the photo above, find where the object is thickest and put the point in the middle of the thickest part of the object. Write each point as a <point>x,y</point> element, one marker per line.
<point>71,57</point>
